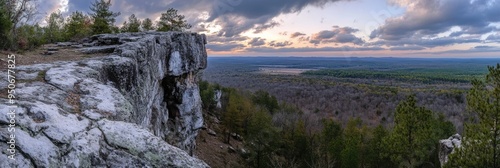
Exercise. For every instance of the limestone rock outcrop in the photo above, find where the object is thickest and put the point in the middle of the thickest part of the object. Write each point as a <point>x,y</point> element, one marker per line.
<point>446,147</point>
<point>137,107</point>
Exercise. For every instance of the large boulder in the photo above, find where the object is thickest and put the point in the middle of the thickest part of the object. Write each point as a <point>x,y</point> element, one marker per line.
<point>447,146</point>
<point>137,107</point>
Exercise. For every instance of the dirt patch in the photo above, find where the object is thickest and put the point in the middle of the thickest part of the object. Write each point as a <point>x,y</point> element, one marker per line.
<point>37,56</point>
<point>73,98</point>
<point>214,151</point>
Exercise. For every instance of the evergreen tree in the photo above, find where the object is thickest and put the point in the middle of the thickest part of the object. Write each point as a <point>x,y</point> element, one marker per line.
<point>411,140</point>
<point>103,18</point>
<point>266,100</point>
<point>236,118</point>
<point>261,135</point>
<point>133,24</point>
<point>5,25</point>
<point>332,143</point>
<point>54,28</point>
<point>352,154</point>
<point>171,21</point>
<point>376,148</point>
<point>29,37</point>
<point>78,26</point>
<point>481,142</point>
<point>147,25</point>
<point>207,94</point>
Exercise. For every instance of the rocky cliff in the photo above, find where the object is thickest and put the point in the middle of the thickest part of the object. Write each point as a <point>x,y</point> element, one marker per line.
<point>139,106</point>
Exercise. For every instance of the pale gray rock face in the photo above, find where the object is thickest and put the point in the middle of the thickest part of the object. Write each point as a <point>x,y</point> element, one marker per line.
<point>217,98</point>
<point>138,107</point>
<point>447,146</point>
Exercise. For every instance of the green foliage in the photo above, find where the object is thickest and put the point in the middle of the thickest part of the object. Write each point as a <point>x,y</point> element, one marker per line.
<point>418,75</point>
<point>415,134</point>
<point>54,29</point>
<point>352,154</point>
<point>481,142</point>
<point>207,94</point>
<point>171,21</point>
<point>237,114</point>
<point>297,144</point>
<point>376,148</point>
<point>262,135</point>
<point>147,25</point>
<point>265,100</point>
<point>103,18</point>
<point>5,25</point>
<point>284,137</point>
<point>133,24</point>
<point>78,26</point>
<point>29,37</point>
<point>331,143</point>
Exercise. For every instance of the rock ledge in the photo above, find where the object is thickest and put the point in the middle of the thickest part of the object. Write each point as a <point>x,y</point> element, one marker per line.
<point>137,107</point>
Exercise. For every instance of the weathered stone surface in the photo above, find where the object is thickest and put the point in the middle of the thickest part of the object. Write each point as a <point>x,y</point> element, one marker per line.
<point>98,49</point>
<point>447,146</point>
<point>138,107</point>
<point>217,98</point>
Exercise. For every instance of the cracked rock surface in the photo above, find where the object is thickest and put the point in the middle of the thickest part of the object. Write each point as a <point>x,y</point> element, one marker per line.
<point>137,107</point>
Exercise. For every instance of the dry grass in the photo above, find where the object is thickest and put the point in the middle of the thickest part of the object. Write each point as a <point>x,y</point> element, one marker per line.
<point>73,99</point>
<point>36,56</point>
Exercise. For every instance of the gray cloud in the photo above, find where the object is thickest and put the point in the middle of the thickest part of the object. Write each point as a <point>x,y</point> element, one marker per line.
<point>474,30</point>
<point>280,44</point>
<point>219,39</point>
<point>405,48</point>
<point>297,34</point>
<point>337,35</point>
<point>430,17</point>
<point>260,28</point>
<point>224,47</point>
<point>311,49</point>
<point>486,47</point>
<point>234,16</point>
<point>494,37</point>
<point>257,41</point>
<point>477,49</point>
<point>237,16</point>
<point>429,43</point>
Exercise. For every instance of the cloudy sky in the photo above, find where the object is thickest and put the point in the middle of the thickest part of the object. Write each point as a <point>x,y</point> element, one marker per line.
<point>342,28</point>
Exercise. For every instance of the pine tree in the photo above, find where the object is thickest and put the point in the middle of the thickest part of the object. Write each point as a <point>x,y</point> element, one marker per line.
<point>78,26</point>
<point>332,143</point>
<point>411,140</point>
<point>54,28</point>
<point>133,24</point>
<point>103,18</point>
<point>481,142</point>
<point>376,148</point>
<point>5,25</point>
<point>354,137</point>
<point>147,25</point>
<point>234,116</point>
<point>171,21</point>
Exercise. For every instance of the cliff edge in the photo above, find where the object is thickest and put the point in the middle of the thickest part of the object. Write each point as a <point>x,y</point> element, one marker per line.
<point>139,106</point>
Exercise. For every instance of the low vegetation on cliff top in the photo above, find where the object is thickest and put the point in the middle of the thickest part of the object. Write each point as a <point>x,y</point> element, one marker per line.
<point>19,31</point>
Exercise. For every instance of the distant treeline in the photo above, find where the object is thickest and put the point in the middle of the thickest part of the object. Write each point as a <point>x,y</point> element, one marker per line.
<point>426,76</point>
<point>18,32</point>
